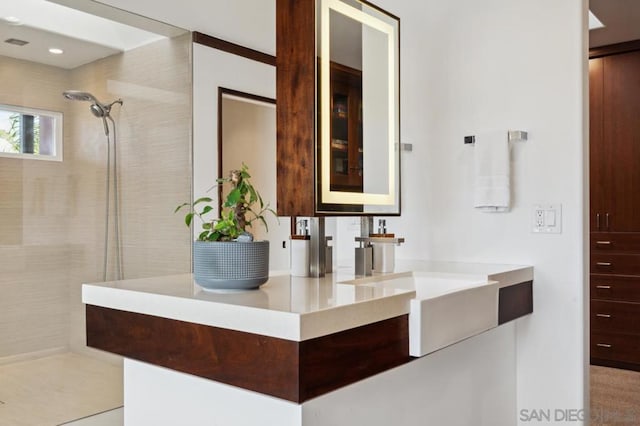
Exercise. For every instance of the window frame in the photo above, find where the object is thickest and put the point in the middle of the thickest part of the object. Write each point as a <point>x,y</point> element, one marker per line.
<point>58,119</point>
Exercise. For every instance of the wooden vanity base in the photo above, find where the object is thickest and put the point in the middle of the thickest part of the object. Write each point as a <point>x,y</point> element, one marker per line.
<point>295,371</point>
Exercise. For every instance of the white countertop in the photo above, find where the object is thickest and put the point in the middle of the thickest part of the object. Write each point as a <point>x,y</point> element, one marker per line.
<point>291,308</point>
<point>286,307</point>
<point>505,275</point>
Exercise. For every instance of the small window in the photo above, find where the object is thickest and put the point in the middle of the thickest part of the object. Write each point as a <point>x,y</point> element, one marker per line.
<point>30,133</point>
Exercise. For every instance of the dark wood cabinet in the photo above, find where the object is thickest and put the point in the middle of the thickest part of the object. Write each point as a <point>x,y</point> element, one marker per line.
<point>615,350</point>
<point>599,157</point>
<point>614,101</point>
<point>611,287</point>
<point>615,264</point>
<point>346,129</point>
<point>611,242</point>
<point>615,142</point>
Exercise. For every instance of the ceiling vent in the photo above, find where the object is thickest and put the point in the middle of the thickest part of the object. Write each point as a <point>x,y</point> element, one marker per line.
<point>16,41</point>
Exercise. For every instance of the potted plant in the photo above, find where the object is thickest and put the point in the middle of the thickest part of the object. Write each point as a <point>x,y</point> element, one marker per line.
<point>225,256</point>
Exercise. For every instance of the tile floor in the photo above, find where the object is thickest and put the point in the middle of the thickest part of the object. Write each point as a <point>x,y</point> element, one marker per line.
<point>58,389</point>
<point>109,418</point>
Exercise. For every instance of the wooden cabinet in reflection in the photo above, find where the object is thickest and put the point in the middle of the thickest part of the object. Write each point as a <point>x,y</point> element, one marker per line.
<point>346,129</point>
<point>614,102</point>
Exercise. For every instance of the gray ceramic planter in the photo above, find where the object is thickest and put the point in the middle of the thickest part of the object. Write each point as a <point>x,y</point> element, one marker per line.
<point>230,265</point>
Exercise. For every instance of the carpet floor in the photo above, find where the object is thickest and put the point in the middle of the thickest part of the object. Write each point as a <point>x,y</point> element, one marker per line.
<point>615,397</point>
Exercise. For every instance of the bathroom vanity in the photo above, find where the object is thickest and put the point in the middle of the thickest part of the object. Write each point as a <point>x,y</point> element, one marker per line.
<point>279,354</point>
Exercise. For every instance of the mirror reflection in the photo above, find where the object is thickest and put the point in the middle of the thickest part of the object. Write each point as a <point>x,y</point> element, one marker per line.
<point>248,135</point>
<point>58,218</point>
<point>358,113</point>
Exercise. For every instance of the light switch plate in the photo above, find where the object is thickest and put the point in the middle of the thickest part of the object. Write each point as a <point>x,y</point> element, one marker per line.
<point>547,219</point>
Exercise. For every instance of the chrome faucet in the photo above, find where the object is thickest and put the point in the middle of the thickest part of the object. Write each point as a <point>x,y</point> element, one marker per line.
<point>317,248</point>
<point>364,253</point>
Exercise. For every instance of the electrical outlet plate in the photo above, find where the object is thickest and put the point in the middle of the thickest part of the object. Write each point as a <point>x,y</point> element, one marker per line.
<point>547,219</point>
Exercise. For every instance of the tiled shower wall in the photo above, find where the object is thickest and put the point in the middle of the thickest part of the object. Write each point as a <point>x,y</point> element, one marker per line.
<point>52,214</point>
<point>35,253</point>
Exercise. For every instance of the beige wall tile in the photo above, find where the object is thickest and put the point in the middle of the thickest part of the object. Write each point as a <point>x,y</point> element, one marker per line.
<point>52,214</point>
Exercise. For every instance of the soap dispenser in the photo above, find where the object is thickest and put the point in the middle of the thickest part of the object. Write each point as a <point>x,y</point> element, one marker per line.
<point>300,242</point>
<point>384,248</point>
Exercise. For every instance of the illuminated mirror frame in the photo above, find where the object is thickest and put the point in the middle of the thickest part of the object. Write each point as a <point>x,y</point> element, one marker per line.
<point>339,197</point>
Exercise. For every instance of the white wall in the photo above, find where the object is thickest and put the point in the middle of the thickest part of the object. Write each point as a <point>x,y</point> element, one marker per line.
<point>213,69</point>
<point>375,111</point>
<point>250,23</point>
<point>415,394</point>
<point>468,66</point>
<point>249,137</point>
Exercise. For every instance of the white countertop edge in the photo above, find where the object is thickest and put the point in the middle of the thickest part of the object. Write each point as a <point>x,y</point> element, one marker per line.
<point>510,275</point>
<point>291,325</point>
<point>278,324</point>
<point>515,276</point>
<point>324,322</point>
<point>283,325</point>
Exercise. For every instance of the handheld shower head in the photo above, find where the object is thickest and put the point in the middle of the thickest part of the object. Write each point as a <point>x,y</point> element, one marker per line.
<point>77,95</point>
<point>101,110</point>
<point>98,109</point>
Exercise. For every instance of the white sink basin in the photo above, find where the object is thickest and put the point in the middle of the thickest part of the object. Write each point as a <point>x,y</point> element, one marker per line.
<point>447,310</point>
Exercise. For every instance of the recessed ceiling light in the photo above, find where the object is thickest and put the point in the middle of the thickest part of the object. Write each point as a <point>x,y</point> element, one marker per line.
<point>594,22</point>
<point>11,20</point>
<point>56,51</point>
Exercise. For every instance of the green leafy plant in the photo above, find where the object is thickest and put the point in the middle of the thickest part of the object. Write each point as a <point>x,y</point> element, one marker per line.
<point>242,207</point>
<point>13,137</point>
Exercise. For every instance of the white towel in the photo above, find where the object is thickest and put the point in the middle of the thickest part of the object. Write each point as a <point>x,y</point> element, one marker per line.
<point>492,192</point>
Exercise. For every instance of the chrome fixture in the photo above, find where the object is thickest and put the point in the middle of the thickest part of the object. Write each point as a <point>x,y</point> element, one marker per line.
<point>103,111</point>
<point>513,136</point>
<point>98,108</point>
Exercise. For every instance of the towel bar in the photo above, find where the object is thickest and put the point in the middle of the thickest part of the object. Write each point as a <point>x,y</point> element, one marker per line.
<point>514,136</point>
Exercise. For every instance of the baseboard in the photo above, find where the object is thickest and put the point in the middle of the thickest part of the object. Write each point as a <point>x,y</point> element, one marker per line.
<point>615,364</point>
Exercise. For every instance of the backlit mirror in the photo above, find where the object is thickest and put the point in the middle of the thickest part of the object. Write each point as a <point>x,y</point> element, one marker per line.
<point>358,115</point>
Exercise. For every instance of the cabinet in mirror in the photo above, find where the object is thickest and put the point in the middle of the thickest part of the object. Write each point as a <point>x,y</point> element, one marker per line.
<point>346,129</point>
